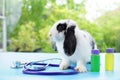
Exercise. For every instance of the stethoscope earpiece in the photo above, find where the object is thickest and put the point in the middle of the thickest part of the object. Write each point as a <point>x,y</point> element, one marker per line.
<point>17,64</point>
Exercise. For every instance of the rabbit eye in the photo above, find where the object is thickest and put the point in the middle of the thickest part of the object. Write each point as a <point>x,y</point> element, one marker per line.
<point>61,27</point>
<point>50,35</point>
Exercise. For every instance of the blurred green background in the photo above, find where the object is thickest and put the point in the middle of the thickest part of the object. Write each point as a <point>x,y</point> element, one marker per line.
<point>29,21</point>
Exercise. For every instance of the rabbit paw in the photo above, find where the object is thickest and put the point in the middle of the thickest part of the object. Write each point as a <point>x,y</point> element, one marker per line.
<point>64,65</point>
<point>81,68</point>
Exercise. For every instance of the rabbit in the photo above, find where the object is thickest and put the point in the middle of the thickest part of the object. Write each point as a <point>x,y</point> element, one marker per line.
<point>73,44</point>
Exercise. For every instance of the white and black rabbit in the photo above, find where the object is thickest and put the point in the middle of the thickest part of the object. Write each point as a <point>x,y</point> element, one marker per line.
<point>73,44</point>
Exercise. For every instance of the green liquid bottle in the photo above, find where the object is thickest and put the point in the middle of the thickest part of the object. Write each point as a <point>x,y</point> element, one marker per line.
<point>95,60</point>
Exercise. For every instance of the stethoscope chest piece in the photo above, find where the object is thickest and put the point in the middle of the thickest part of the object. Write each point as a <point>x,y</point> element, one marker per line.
<point>17,64</point>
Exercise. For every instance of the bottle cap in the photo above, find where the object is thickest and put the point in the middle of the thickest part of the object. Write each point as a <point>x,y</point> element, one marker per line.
<point>109,50</point>
<point>95,51</point>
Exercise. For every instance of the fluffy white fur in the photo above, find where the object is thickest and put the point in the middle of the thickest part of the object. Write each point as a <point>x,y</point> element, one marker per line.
<point>83,48</point>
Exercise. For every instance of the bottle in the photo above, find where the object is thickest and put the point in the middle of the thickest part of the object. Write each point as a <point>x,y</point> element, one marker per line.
<point>95,60</point>
<point>109,59</point>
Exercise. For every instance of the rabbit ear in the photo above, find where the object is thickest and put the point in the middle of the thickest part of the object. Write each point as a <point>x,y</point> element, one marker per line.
<point>70,41</point>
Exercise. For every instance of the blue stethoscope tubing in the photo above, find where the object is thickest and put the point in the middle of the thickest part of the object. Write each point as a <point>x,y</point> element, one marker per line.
<point>41,70</point>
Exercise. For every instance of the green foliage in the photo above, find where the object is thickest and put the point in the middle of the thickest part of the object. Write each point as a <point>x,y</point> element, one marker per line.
<point>110,28</point>
<point>37,18</point>
<point>25,39</point>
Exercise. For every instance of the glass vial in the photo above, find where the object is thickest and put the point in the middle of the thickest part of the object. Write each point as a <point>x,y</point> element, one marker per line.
<point>95,60</point>
<point>109,59</point>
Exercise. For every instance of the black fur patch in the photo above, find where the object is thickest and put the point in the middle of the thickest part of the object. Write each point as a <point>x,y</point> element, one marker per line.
<point>93,44</point>
<point>61,27</point>
<point>70,41</point>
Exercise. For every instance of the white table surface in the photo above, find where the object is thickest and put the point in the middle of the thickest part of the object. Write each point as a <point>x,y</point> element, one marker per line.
<point>7,58</point>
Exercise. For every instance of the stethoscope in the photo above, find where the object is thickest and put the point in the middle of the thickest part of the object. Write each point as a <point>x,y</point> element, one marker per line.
<point>40,68</point>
